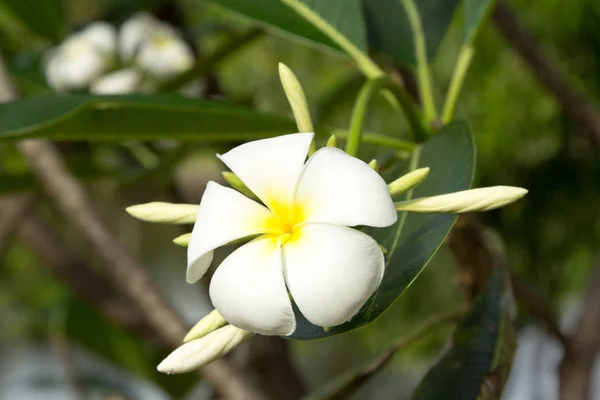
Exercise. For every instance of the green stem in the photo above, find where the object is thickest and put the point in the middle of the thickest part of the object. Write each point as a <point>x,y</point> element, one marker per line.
<point>365,64</point>
<point>368,90</point>
<point>423,73</point>
<point>458,77</point>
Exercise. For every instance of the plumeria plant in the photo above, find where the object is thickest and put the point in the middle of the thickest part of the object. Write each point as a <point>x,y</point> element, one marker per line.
<point>328,218</point>
<point>300,214</point>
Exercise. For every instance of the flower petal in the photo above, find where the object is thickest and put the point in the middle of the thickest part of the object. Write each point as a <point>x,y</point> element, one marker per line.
<point>126,80</point>
<point>224,216</point>
<point>249,291</point>
<point>331,271</point>
<point>270,167</point>
<point>339,189</point>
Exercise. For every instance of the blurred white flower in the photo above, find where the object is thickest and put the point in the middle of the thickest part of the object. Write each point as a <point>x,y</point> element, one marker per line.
<point>304,242</point>
<point>154,46</point>
<point>81,58</point>
<point>123,81</point>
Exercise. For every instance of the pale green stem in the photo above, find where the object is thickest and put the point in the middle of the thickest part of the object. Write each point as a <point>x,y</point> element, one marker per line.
<point>365,64</point>
<point>423,72</point>
<point>411,112</point>
<point>458,77</point>
<point>361,106</point>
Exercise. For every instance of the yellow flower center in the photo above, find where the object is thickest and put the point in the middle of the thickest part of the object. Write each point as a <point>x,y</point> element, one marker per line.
<point>287,220</point>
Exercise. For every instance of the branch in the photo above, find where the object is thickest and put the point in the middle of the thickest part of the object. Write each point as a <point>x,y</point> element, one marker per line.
<point>583,347</point>
<point>125,271</point>
<point>577,106</point>
<point>348,384</point>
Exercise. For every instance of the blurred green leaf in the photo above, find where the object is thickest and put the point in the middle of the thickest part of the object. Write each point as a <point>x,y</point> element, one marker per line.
<point>47,18</point>
<point>135,117</point>
<point>461,372</point>
<point>451,156</point>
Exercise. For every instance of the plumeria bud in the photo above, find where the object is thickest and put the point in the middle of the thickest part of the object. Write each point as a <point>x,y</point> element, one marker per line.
<point>133,32</point>
<point>482,199</point>
<point>166,213</point>
<point>332,141</point>
<point>199,352</point>
<point>81,58</point>
<point>295,94</point>
<point>237,184</point>
<point>213,321</point>
<point>126,80</point>
<point>183,240</point>
<point>164,54</point>
<point>373,165</point>
<point>408,181</point>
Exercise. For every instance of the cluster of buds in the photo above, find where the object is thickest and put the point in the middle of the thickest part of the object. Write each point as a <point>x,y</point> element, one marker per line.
<point>137,57</point>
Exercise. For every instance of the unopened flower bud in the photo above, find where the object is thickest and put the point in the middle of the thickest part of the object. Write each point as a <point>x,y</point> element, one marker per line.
<point>183,240</point>
<point>482,199</point>
<point>408,181</point>
<point>213,321</point>
<point>237,184</point>
<point>197,353</point>
<point>166,213</point>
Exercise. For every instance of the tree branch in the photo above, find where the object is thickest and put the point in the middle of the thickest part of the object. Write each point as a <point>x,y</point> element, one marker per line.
<point>577,106</point>
<point>124,270</point>
<point>583,347</point>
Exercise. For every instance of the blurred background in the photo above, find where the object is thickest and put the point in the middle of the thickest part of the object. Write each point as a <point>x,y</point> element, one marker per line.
<point>56,345</point>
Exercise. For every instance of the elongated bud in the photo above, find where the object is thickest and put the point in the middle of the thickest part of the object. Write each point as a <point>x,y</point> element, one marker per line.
<point>373,165</point>
<point>213,321</point>
<point>482,199</point>
<point>183,240</point>
<point>166,213</point>
<point>332,141</point>
<point>408,181</point>
<point>295,94</point>
<point>237,184</point>
<point>197,353</point>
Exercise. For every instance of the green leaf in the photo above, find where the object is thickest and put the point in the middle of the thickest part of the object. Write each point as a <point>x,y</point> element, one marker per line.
<point>461,372</point>
<point>46,18</point>
<point>451,156</point>
<point>389,30</point>
<point>387,27</point>
<point>135,117</point>
<point>345,15</point>
<point>475,13</point>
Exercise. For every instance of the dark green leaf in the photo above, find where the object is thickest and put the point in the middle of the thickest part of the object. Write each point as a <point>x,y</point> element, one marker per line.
<point>389,31</point>
<point>451,157</point>
<point>275,14</point>
<point>135,117</point>
<point>46,18</point>
<point>475,13</point>
<point>387,26</point>
<point>461,372</point>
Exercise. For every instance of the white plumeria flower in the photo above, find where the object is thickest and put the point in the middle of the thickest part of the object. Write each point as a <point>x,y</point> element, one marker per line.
<point>123,81</point>
<point>154,46</point>
<point>304,244</point>
<point>81,58</point>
